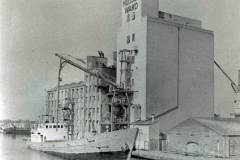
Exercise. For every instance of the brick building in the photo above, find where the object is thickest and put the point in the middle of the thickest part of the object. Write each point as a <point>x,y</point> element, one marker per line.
<point>74,94</point>
<point>205,137</point>
<point>88,100</point>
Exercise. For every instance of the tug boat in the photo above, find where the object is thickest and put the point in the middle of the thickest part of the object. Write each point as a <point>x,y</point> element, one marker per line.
<point>52,138</point>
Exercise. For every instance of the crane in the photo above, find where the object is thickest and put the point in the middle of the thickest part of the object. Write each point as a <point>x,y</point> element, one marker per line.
<point>70,111</point>
<point>92,73</point>
<point>121,96</point>
<point>235,87</point>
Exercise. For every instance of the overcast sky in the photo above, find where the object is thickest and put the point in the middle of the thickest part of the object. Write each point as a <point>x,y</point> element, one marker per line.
<point>31,31</point>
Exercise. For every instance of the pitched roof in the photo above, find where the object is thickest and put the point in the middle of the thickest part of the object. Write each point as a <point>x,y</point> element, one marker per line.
<point>150,121</point>
<point>68,86</point>
<point>223,126</point>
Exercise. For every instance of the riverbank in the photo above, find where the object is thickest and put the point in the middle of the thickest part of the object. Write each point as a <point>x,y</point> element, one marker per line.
<point>158,155</point>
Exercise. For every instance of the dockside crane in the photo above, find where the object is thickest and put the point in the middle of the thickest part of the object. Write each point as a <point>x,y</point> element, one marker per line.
<point>92,73</point>
<point>236,89</point>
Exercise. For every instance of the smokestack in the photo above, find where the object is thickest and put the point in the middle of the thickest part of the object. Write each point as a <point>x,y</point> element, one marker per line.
<point>239,77</point>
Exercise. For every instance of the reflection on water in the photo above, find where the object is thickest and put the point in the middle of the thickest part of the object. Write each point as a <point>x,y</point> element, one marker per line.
<point>13,147</point>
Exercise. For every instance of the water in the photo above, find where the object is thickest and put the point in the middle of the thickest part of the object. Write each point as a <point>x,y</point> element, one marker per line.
<point>13,147</point>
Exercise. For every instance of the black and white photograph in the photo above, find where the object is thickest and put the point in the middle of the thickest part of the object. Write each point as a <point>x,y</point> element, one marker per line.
<point>119,80</point>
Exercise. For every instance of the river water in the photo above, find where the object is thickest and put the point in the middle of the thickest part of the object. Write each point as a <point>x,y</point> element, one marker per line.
<point>13,147</point>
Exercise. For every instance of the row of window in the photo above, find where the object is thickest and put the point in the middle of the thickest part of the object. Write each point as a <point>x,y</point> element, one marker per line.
<point>91,79</point>
<point>66,93</point>
<point>129,39</point>
<point>92,125</point>
<point>92,89</point>
<point>89,100</point>
<point>92,99</point>
<point>54,126</point>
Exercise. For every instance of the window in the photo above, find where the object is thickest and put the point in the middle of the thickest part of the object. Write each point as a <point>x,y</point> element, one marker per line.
<point>46,126</point>
<point>72,92</point>
<point>54,126</point>
<point>50,126</point>
<point>97,98</point>
<point>93,99</point>
<point>128,39</point>
<point>97,90</point>
<point>61,126</point>
<point>62,95</point>
<point>97,110</point>
<point>58,126</point>
<point>133,37</point>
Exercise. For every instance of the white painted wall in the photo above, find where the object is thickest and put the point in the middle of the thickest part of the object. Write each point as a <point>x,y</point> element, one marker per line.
<point>49,134</point>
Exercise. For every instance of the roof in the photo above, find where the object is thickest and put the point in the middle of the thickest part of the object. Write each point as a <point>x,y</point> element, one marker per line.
<point>150,121</point>
<point>223,126</point>
<point>68,86</point>
<point>162,21</point>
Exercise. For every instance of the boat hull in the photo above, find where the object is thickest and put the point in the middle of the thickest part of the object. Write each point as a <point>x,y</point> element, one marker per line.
<point>91,156</point>
<point>16,131</point>
<point>103,145</point>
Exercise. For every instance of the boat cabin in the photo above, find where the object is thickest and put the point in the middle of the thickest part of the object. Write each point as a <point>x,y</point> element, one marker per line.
<point>47,132</point>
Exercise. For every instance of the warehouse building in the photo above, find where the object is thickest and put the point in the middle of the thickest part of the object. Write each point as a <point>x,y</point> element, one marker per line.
<point>205,137</point>
<point>84,106</point>
<point>67,92</point>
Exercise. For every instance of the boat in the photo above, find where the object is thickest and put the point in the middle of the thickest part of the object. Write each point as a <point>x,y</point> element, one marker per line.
<point>14,130</point>
<point>56,137</point>
<point>52,138</point>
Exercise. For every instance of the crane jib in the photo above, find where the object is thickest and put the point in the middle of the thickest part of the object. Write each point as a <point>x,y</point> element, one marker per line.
<point>233,84</point>
<point>66,60</point>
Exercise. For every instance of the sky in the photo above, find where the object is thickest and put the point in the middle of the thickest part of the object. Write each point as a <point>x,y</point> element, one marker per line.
<point>31,31</point>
